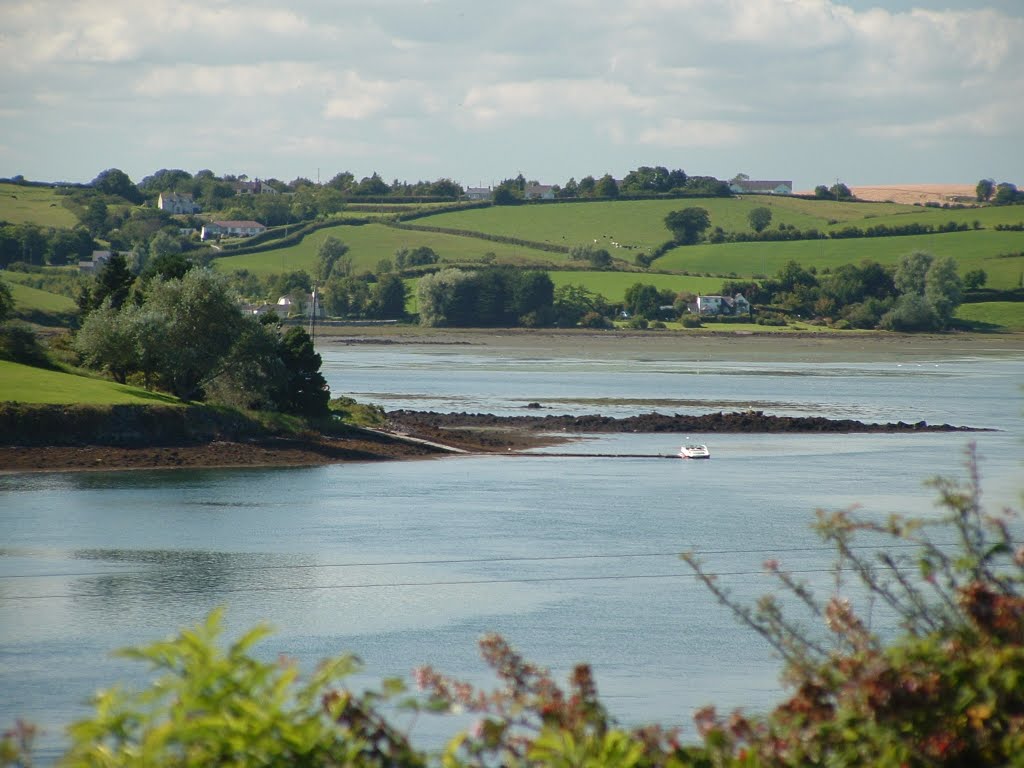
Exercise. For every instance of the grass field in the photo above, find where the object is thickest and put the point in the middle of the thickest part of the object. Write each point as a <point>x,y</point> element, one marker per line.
<point>28,299</point>
<point>24,384</point>
<point>34,205</point>
<point>372,242</point>
<point>971,250</point>
<point>1001,315</point>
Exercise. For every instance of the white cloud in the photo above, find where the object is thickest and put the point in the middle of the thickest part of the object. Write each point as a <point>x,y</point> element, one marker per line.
<point>426,83</point>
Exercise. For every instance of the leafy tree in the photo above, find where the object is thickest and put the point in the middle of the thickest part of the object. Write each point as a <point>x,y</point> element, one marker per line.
<point>821,192</point>
<point>912,312</point>
<point>642,300</point>
<point>112,284</point>
<point>606,187</point>
<point>436,295</point>
<point>305,390</point>
<point>586,186</point>
<point>984,190</point>
<point>1005,193</point>
<point>415,257</point>
<point>389,295</point>
<point>329,259</point>
<point>571,303</point>
<point>840,191</point>
<point>975,278</point>
<point>114,181</point>
<point>106,342</point>
<point>911,271</point>
<point>503,195</point>
<point>343,181</point>
<point>347,297</point>
<point>943,289</point>
<point>6,301</point>
<point>372,186</point>
<point>759,218</point>
<point>598,258</point>
<point>203,319</point>
<point>688,225</point>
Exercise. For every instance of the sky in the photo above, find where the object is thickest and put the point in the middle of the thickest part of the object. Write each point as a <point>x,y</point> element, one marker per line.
<point>812,91</point>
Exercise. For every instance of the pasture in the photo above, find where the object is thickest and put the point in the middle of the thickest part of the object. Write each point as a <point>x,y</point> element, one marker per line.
<point>369,243</point>
<point>996,315</point>
<point>613,285</point>
<point>25,384</point>
<point>28,299</point>
<point>34,205</point>
<point>972,250</point>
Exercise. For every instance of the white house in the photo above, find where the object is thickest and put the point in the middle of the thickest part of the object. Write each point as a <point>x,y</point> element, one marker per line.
<point>231,229</point>
<point>175,203</point>
<point>721,305</point>
<point>539,192</point>
<point>754,187</point>
<point>479,193</point>
<point>99,258</point>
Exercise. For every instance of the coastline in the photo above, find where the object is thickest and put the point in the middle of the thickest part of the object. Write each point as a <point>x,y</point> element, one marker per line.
<point>428,439</point>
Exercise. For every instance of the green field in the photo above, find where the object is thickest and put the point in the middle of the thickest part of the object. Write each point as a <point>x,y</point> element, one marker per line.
<point>370,243</point>
<point>613,285</point>
<point>971,250</point>
<point>1000,315</point>
<point>34,205</point>
<point>24,384</point>
<point>640,223</point>
<point>28,299</point>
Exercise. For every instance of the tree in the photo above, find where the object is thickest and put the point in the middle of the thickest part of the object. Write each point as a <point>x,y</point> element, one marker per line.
<point>912,312</point>
<point>759,218</point>
<point>372,186</point>
<point>437,294</point>
<point>389,295</point>
<point>204,322</point>
<point>1005,193</point>
<point>114,181</point>
<point>113,283</point>
<point>840,191</point>
<point>642,300</point>
<point>943,289</point>
<point>821,192</point>
<point>305,390</point>
<point>6,301</point>
<point>606,187</point>
<point>911,271</point>
<point>343,181</point>
<point>688,225</point>
<point>329,259</point>
<point>420,256</point>
<point>106,342</point>
<point>984,190</point>
<point>598,258</point>
<point>975,278</point>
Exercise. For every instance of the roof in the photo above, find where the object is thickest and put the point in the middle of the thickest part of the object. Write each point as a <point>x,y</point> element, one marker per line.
<point>238,224</point>
<point>753,184</point>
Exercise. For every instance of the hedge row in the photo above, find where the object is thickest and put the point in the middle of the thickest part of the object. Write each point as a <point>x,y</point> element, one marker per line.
<point>293,239</point>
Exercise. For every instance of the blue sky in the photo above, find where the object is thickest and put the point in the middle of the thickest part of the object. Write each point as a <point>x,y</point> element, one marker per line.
<point>869,92</point>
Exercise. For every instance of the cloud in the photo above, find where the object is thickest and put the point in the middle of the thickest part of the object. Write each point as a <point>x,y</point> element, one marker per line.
<point>424,81</point>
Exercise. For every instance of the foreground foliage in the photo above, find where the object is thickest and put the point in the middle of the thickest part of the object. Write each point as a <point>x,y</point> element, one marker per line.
<point>948,690</point>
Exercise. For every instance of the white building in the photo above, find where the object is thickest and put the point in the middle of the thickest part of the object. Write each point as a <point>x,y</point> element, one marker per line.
<point>215,229</point>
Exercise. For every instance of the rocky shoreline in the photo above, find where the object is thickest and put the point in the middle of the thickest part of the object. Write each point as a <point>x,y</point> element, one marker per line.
<point>414,435</point>
<point>735,422</point>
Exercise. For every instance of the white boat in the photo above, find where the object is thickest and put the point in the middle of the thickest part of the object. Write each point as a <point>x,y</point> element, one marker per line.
<point>694,451</point>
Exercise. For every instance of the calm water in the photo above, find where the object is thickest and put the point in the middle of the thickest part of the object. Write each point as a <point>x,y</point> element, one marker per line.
<point>409,563</point>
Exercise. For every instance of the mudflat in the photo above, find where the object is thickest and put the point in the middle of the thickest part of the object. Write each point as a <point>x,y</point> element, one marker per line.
<point>507,435</point>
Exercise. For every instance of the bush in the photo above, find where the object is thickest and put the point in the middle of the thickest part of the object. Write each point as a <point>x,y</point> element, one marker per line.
<point>19,344</point>
<point>691,321</point>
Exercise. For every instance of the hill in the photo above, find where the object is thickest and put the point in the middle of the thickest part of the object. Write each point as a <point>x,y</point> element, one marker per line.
<point>909,194</point>
<point>40,205</point>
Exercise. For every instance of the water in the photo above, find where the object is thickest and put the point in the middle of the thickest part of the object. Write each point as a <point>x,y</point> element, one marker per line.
<point>409,563</point>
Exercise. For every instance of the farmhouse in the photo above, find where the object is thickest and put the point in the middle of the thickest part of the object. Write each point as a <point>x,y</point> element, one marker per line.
<point>253,188</point>
<point>99,258</point>
<point>721,305</point>
<point>479,193</point>
<point>175,203</point>
<point>539,192</point>
<point>754,187</point>
<point>231,229</point>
